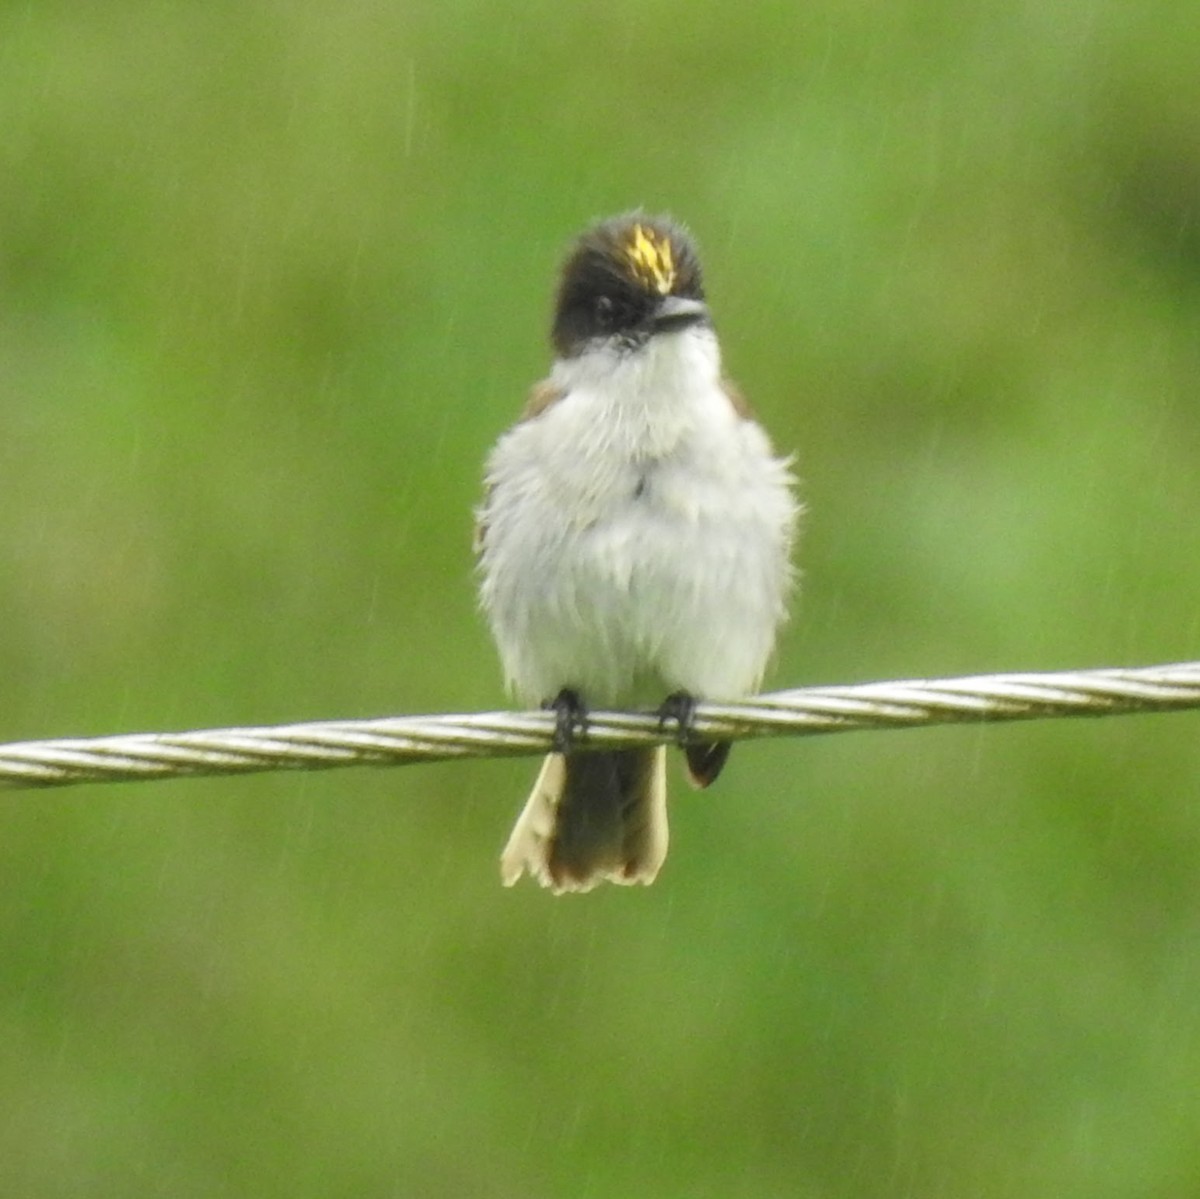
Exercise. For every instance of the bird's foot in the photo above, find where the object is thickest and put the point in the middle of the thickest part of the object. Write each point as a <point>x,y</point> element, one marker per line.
<point>680,707</point>
<point>570,719</point>
<point>704,758</point>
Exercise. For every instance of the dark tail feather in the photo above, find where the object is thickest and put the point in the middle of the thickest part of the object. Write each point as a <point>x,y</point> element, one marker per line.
<point>705,761</point>
<point>592,816</point>
<point>602,816</point>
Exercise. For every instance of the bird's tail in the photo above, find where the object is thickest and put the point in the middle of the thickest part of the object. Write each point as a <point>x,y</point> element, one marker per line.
<point>592,816</point>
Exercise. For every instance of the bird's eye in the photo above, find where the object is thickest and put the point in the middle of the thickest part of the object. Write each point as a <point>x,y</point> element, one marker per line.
<point>604,311</point>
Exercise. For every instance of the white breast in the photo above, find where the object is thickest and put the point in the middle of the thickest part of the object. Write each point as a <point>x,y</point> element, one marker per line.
<point>638,533</point>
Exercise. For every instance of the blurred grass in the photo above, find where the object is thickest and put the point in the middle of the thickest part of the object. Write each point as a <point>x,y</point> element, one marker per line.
<point>271,281</point>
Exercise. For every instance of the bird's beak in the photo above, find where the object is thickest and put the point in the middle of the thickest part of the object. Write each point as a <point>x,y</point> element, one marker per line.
<point>678,312</point>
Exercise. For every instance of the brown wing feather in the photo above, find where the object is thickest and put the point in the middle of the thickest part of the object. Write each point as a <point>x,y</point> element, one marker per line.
<point>741,405</point>
<point>543,395</point>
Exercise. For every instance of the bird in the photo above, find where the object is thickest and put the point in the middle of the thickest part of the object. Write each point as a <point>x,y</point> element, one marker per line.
<point>633,548</point>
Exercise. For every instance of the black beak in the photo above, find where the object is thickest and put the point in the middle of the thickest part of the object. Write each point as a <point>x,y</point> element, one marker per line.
<point>675,313</point>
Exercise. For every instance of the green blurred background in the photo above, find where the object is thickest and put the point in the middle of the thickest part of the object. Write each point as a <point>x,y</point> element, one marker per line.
<point>272,279</point>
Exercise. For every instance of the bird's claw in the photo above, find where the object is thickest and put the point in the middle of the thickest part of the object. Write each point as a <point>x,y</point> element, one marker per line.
<point>679,707</point>
<point>570,719</point>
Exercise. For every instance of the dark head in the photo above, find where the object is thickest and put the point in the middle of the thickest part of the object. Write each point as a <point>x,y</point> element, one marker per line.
<point>626,279</point>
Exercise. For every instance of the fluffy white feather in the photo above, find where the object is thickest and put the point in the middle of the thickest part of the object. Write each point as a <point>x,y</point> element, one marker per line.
<point>637,532</point>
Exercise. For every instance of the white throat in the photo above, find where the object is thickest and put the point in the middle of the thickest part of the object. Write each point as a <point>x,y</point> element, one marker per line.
<point>647,397</point>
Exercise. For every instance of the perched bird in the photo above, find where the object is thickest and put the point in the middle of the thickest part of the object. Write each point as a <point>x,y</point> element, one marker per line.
<point>634,547</point>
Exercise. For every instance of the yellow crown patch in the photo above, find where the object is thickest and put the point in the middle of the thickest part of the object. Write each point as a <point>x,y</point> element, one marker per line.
<point>651,260</point>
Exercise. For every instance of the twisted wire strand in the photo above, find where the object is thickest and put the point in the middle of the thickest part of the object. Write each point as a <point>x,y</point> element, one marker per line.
<point>397,740</point>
